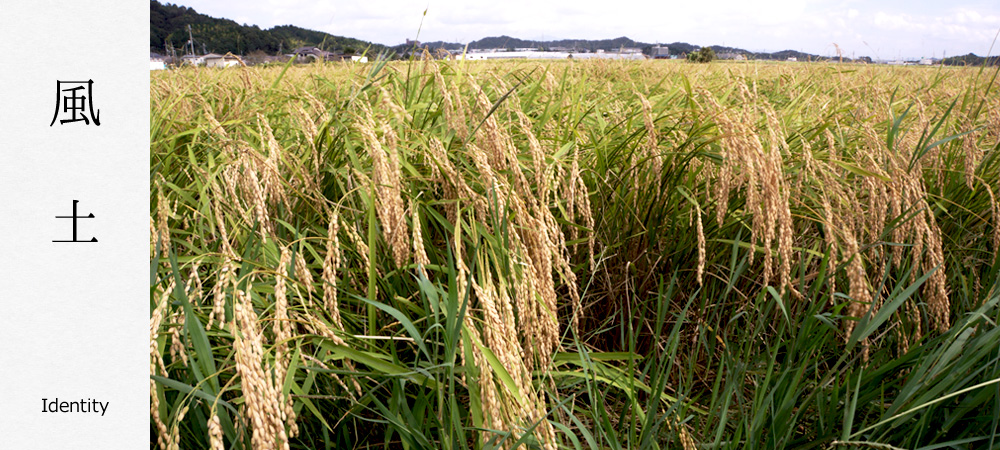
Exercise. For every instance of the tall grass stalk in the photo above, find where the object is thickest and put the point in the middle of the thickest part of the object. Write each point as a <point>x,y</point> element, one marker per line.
<point>574,254</point>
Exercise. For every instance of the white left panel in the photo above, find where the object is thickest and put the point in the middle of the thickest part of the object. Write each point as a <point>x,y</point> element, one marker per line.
<point>74,316</point>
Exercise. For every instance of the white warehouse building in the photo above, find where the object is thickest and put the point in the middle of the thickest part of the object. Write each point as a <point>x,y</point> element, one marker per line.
<point>479,56</point>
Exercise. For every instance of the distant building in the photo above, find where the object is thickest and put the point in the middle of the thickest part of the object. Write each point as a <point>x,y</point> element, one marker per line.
<point>220,61</point>
<point>608,55</point>
<point>731,56</point>
<point>487,50</point>
<point>480,56</point>
<point>660,52</point>
<point>193,60</point>
<point>314,52</point>
<point>792,59</point>
<point>926,62</point>
<point>157,61</point>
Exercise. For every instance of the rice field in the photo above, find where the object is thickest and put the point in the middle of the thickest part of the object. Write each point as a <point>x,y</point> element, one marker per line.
<point>574,254</point>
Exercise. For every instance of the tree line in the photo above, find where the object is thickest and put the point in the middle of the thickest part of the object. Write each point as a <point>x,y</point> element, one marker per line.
<point>168,30</point>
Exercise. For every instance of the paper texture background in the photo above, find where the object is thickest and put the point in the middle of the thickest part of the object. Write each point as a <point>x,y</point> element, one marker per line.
<point>74,317</point>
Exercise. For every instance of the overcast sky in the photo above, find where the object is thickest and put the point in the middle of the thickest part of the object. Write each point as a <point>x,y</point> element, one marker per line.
<point>886,29</point>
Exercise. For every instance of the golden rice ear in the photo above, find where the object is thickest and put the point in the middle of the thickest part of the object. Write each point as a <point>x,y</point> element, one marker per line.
<point>687,442</point>
<point>162,235</point>
<point>215,432</point>
<point>830,236</point>
<point>490,136</point>
<point>272,182</point>
<point>860,293</point>
<point>701,247</point>
<point>759,171</point>
<point>305,122</point>
<point>262,393</point>
<point>420,253</point>
<point>176,342</point>
<point>588,220</point>
<point>995,215</point>
<point>331,263</point>
<point>387,188</point>
<point>362,249</point>
<point>570,195</point>
<point>156,365</point>
<point>282,330</point>
<point>651,146</point>
<point>304,275</point>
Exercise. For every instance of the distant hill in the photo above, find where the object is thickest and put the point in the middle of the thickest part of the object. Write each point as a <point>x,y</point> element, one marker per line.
<point>971,60</point>
<point>580,45</point>
<point>609,45</point>
<point>168,28</point>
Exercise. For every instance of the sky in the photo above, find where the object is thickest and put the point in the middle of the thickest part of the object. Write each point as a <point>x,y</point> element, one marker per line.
<point>883,29</point>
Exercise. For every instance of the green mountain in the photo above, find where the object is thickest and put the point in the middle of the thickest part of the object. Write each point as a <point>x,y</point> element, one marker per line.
<point>588,45</point>
<point>971,60</point>
<point>609,45</point>
<point>168,29</point>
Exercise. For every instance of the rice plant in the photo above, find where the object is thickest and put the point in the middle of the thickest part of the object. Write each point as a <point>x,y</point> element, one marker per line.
<point>574,254</point>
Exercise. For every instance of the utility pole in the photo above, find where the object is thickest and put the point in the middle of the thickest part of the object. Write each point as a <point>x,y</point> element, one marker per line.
<point>190,40</point>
